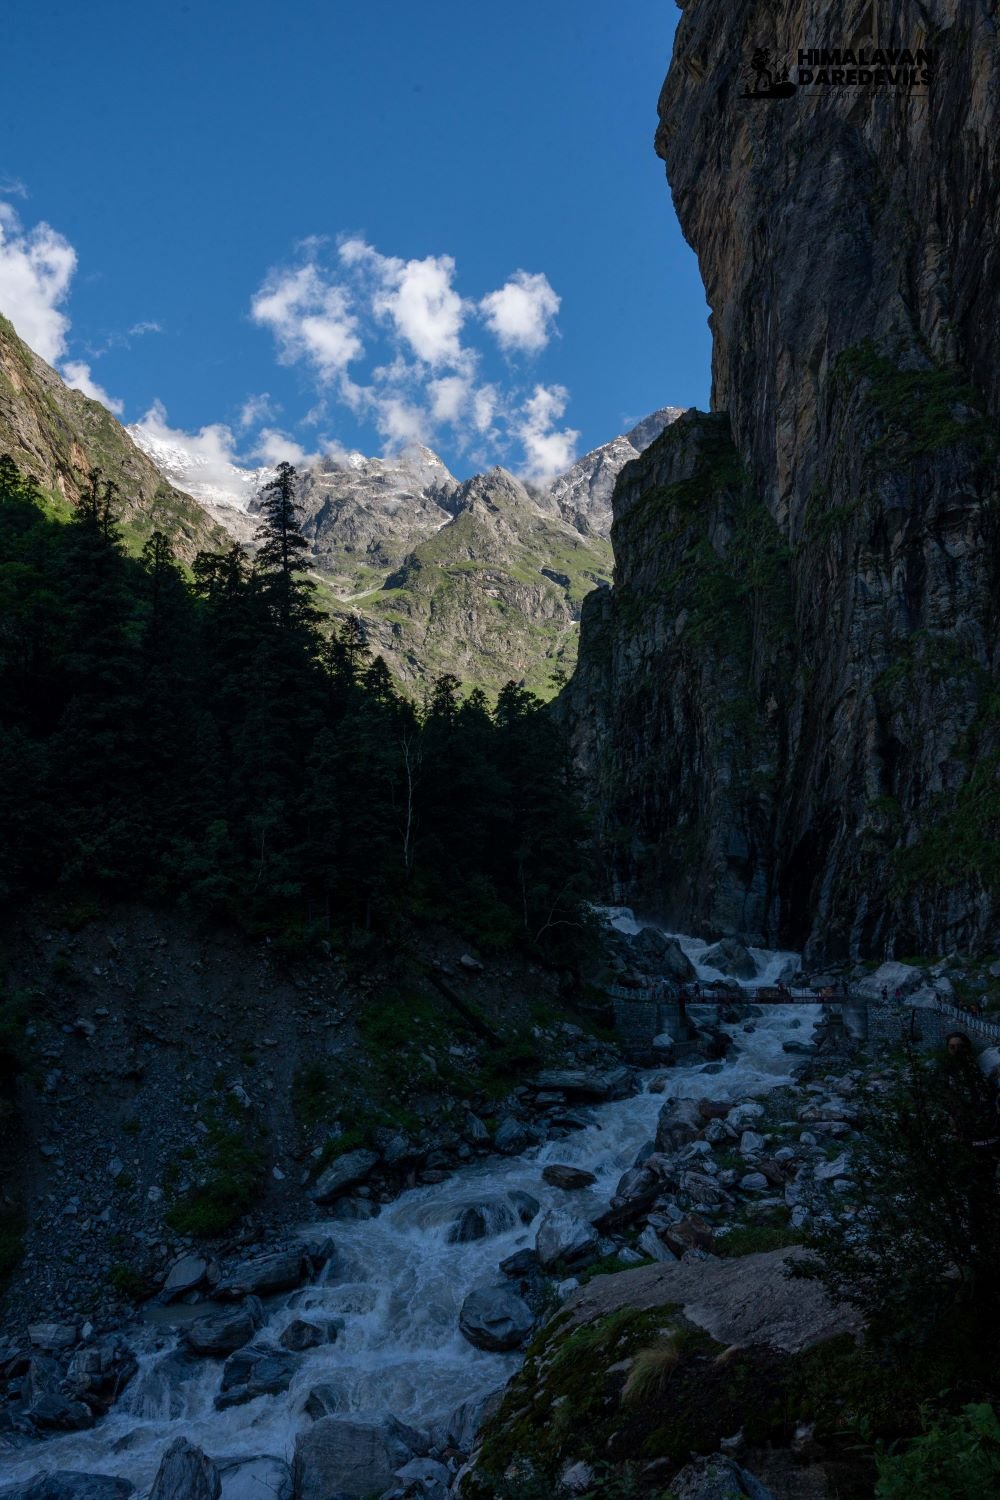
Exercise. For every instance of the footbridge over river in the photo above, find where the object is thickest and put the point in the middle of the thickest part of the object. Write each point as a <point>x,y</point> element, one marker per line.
<point>642,1015</point>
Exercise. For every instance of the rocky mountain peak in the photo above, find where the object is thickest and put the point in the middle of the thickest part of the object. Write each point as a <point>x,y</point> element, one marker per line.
<point>582,496</point>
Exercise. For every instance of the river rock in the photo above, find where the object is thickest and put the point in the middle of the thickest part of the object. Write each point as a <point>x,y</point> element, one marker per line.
<point>462,1426</point>
<point>691,1233</point>
<point>354,1456</point>
<point>422,1479</point>
<point>512,1136</point>
<point>277,1272</point>
<point>185,1275</point>
<point>324,1401</point>
<point>663,955</point>
<point>185,1474</point>
<point>495,1318</point>
<point>252,1372</point>
<point>731,958</point>
<point>352,1167</point>
<point>480,1221</point>
<point>223,1333</point>
<point>679,1121</point>
<point>300,1335</point>
<point>568,1178</point>
<point>53,1335</point>
<point>564,1236</point>
<point>742,1115</point>
<point>52,1412</point>
<point>717,1478</point>
<point>608,1083</point>
<point>525,1206</point>
<point>69,1485</point>
<point>891,976</point>
<point>255,1479</point>
<point>637,1182</point>
<point>651,1246</point>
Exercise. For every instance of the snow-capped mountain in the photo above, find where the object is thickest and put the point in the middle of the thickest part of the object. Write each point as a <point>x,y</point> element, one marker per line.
<point>582,496</point>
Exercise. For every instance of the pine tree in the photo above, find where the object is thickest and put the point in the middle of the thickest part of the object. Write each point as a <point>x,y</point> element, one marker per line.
<point>282,552</point>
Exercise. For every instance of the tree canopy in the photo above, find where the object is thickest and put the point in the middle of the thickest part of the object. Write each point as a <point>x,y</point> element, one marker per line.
<point>210,739</point>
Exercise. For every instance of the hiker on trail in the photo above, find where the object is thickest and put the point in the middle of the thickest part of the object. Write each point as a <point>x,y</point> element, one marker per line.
<point>897,994</point>
<point>885,994</point>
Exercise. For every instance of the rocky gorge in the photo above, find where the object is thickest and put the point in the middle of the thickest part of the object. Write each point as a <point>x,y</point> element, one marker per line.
<point>328,1360</point>
<point>785,708</point>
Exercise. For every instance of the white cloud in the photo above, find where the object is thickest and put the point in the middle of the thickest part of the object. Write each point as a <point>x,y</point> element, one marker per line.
<point>36,268</point>
<point>418,298</point>
<point>547,451</point>
<point>485,403</point>
<point>310,318</point>
<point>146,325</point>
<point>256,409</point>
<point>76,373</point>
<point>274,447</point>
<point>421,379</point>
<point>520,314</point>
<point>211,450</point>
<point>449,397</point>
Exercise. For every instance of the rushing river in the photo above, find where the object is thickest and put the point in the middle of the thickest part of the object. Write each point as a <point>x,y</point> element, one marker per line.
<point>396,1283</point>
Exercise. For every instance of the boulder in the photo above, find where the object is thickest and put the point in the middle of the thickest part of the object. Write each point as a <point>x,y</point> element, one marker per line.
<point>495,1318</point>
<point>355,1456</point>
<point>826,1171</point>
<point>568,1178</point>
<point>69,1485</point>
<point>53,1335</point>
<point>466,1420</point>
<point>637,1182</point>
<point>255,1479</point>
<point>745,1300</point>
<point>563,1236</point>
<point>352,1167</point>
<point>475,1131</point>
<point>324,1401</point>
<point>277,1272</point>
<point>185,1275</point>
<point>422,1479</point>
<point>480,1221</point>
<point>185,1474</point>
<point>512,1136</point>
<point>731,958</point>
<point>52,1412</point>
<point>716,1478</point>
<point>663,955</point>
<point>522,1263</point>
<point>252,1372</point>
<point>222,1333</point>
<point>606,1083</point>
<point>891,976</point>
<point>651,1246</point>
<point>741,1115</point>
<point>300,1335</point>
<point>691,1233</point>
<point>679,1122</point>
<point>525,1206</point>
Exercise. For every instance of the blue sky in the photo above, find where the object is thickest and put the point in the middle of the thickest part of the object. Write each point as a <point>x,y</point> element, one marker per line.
<point>308,225</point>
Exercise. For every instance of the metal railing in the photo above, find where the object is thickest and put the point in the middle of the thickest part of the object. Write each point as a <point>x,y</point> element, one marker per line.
<point>769,995</point>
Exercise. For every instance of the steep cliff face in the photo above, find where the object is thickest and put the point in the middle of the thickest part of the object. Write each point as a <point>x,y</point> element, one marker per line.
<point>58,435</point>
<point>830,775</point>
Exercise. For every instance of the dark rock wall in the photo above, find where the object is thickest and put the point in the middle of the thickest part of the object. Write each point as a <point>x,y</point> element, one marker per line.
<point>789,706</point>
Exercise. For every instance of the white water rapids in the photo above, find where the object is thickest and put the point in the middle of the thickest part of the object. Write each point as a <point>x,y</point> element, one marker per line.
<point>397,1284</point>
